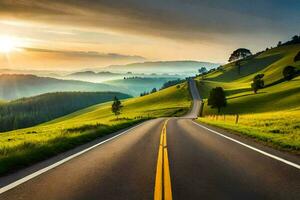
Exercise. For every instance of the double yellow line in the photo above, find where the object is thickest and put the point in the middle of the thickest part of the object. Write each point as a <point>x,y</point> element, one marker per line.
<point>162,188</point>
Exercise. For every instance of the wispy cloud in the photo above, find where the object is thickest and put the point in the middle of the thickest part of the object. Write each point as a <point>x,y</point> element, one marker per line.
<point>156,29</point>
<point>86,54</point>
<point>189,19</point>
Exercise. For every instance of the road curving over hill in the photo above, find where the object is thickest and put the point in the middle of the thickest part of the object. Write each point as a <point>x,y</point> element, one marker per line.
<point>163,159</point>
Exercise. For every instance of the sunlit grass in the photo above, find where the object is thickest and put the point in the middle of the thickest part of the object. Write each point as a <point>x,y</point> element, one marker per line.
<point>281,129</point>
<point>22,147</point>
<point>271,63</point>
<point>272,115</point>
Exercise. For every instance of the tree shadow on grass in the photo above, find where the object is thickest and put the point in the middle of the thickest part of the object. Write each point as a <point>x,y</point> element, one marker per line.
<point>244,95</point>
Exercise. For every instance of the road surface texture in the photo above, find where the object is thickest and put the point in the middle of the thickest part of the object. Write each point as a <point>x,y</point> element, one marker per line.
<point>163,159</point>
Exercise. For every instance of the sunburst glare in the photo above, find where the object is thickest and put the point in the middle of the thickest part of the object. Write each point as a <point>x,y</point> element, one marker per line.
<point>7,44</point>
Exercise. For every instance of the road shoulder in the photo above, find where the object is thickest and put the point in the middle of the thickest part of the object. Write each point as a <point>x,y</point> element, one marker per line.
<point>295,158</point>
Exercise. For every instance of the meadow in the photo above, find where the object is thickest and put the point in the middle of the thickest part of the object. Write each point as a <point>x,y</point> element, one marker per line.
<point>270,116</point>
<point>278,129</point>
<point>23,147</point>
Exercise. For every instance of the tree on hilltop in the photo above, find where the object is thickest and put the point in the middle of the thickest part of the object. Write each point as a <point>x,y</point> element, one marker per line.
<point>153,90</point>
<point>279,44</point>
<point>202,70</point>
<point>238,54</point>
<point>295,38</point>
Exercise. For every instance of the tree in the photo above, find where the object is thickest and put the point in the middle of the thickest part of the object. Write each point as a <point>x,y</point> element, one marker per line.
<point>297,57</point>
<point>217,98</point>
<point>202,70</point>
<point>220,68</point>
<point>116,106</point>
<point>238,54</point>
<point>258,83</point>
<point>279,44</point>
<point>153,90</point>
<point>295,37</point>
<point>144,94</point>
<point>289,72</point>
<point>171,83</point>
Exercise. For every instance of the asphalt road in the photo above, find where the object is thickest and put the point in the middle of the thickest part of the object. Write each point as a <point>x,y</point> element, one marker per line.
<point>200,165</point>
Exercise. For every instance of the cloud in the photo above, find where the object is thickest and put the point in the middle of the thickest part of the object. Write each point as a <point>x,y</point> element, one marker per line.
<point>175,19</point>
<point>86,54</point>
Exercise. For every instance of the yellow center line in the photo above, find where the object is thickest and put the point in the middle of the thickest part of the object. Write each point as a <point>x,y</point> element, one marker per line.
<point>162,188</point>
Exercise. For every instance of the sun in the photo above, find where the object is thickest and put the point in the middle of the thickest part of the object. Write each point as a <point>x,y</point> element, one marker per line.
<point>7,44</point>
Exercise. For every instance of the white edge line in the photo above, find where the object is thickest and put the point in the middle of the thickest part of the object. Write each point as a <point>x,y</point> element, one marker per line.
<point>41,171</point>
<point>252,148</point>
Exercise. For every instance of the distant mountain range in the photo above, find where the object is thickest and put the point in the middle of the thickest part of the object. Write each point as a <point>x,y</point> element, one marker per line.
<point>14,86</point>
<point>92,76</point>
<point>103,76</point>
<point>183,68</point>
<point>47,73</point>
<point>17,86</point>
<point>92,73</point>
<point>130,79</point>
<point>166,68</point>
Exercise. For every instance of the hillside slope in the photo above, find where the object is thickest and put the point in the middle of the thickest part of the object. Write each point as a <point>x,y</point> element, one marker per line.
<point>273,114</point>
<point>30,111</point>
<point>270,63</point>
<point>22,147</point>
<point>241,98</point>
<point>137,85</point>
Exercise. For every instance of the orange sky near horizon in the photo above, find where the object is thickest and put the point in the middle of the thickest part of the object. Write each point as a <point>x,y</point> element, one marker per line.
<point>73,35</point>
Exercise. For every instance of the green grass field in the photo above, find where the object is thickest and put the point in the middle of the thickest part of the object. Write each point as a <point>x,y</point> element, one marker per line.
<point>23,147</point>
<point>266,107</point>
<point>279,129</point>
<point>2,101</point>
<point>271,63</point>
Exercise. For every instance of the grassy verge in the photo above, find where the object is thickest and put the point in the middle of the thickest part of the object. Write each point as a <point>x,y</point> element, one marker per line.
<point>277,129</point>
<point>23,147</point>
<point>28,152</point>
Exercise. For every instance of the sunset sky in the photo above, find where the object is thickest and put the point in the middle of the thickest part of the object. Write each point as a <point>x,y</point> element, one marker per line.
<point>78,34</point>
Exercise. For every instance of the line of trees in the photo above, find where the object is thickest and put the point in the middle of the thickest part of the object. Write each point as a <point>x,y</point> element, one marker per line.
<point>171,83</point>
<point>165,85</point>
<point>294,40</point>
<point>146,93</point>
<point>28,112</point>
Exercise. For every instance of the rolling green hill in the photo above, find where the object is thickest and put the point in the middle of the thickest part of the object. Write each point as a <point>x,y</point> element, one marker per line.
<point>268,106</point>
<point>241,98</point>
<point>30,111</point>
<point>22,147</point>
<point>2,101</point>
<point>137,85</point>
